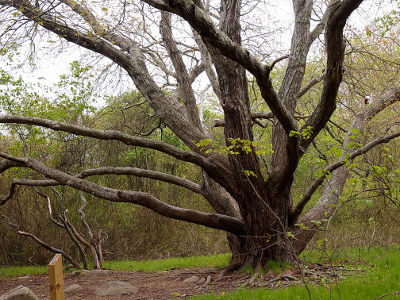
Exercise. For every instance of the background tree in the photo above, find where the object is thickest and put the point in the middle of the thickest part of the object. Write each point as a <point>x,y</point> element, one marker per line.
<point>254,206</point>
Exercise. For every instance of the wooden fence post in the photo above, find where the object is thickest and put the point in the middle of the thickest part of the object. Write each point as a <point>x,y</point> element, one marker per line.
<point>56,278</point>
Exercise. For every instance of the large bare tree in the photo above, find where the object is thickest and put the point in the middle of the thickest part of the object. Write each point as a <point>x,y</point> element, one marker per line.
<point>167,46</point>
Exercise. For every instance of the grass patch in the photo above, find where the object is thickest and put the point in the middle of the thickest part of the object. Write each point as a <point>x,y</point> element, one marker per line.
<point>214,261</point>
<point>22,270</point>
<point>381,277</point>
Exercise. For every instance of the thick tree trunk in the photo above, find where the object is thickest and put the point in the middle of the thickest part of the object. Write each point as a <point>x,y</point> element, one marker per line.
<point>256,251</point>
<point>266,223</point>
<point>263,206</point>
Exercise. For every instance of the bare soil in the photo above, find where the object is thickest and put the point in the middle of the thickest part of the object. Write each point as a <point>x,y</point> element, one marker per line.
<point>151,285</point>
<point>170,284</point>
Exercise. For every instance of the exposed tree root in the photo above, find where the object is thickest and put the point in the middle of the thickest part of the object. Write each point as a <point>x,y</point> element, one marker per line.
<point>300,274</point>
<point>232,267</point>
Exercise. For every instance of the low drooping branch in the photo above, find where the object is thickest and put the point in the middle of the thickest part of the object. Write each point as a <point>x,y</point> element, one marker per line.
<point>50,248</point>
<point>29,182</point>
<point>8,164</point>
<point>216,221</point>
<point>194,187</point>
<point>11,192</point>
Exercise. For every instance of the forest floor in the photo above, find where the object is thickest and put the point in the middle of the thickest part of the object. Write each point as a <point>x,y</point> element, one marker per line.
<point>150,285</point>
<point>173,283</point>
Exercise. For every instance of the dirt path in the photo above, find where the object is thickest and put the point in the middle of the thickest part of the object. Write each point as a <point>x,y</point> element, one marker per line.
<point>150,285</point>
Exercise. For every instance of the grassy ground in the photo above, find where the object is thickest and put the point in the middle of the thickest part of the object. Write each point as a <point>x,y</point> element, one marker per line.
<point>214,261</point>
<point>381,275</point>
<point>22,270</point>
<point>381,278</point>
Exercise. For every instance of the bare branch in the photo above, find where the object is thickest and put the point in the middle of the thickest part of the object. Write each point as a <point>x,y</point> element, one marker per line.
<point>50,209</point>
<point>278,60</point>
<point>143,173</point>
<point>95,246</point>
<point>206,58</point>
<point>387,295</point>
<point>111,135</point>
<point>8,221</point>
<point>319,28</point>
<point>64,219</point>
<point>364,116</point>
<point>91,42</point>
<point>214,37</point>
<point>98,29</point>
<point>50,248</point>
<point>202,23</point>
<point>329,169</point>
<point>182,75</point>
<point>254,116</point>
<point>309,85</point>
<point>130,59</point>
<point>83,215</point>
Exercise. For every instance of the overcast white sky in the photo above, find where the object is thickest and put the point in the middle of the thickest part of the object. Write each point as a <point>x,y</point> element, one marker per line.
<point>52,62</point>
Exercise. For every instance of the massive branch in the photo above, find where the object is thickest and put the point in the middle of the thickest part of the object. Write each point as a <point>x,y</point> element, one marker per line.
<point>112,135</point>
<point>129,171</point>
<point>339,12</point>
<point>216,221</point>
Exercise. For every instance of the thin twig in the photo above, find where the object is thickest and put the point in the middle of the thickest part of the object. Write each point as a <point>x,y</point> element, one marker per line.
<point>387,295</point>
